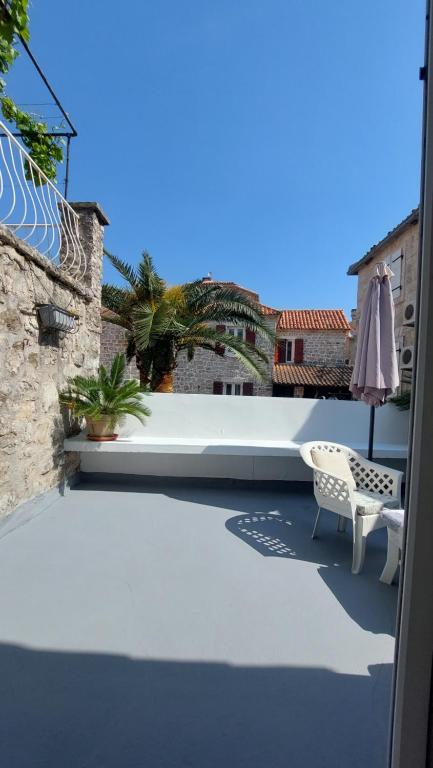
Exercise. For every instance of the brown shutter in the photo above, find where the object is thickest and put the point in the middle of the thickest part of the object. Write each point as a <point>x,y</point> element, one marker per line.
<point>299,351</point>
<point>250,337</point>
<point>217,387</point>
<point>247,388</point>
<point>279,356</point>
<point>220,348</point>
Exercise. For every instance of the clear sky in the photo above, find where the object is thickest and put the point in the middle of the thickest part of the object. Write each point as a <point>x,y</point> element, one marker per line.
<point>271,142</point>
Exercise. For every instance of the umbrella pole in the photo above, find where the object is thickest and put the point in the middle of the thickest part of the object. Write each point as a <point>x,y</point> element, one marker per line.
<point>371,433</point>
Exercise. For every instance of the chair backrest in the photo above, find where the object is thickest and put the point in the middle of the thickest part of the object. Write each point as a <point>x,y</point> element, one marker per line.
<point>327,447</point>
<point>367,474</point>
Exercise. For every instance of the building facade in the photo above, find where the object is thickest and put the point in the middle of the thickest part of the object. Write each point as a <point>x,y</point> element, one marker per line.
<point>399,249</point>
<point>309,358</point>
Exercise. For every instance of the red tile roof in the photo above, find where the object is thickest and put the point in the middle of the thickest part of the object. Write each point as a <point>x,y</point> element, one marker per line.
<point>294,319</point>
<point>265,310</point>
<point>312,375</point>
<point>313,320</point>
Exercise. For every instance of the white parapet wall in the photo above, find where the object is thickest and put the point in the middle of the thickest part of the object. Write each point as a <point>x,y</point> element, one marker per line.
<point>254,438</point>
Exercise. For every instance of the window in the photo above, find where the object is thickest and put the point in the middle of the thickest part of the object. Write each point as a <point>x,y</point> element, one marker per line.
<point>239,333</point>
<point>244,388</point>
<point>230,388</point>
<point>287,353</point>
<point>394,262</point>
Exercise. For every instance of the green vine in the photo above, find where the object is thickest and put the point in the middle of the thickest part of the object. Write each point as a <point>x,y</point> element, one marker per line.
<point>45,150</point>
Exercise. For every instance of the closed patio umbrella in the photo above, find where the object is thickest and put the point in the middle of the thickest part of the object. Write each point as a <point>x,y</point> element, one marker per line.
<point>375,373</point>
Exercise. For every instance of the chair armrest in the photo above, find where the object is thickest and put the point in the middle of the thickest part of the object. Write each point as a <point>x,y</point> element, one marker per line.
<point>376,477</point>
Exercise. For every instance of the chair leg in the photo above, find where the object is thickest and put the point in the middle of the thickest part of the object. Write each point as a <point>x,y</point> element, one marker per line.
<point>341,525</point>
<point>392,561</point>
<point>316,522</point>
<point>359,541</point>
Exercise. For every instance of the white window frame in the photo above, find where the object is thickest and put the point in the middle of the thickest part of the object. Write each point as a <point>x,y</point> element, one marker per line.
<point>233,385</point>
<point>292,350</point>
<point>234,330</point>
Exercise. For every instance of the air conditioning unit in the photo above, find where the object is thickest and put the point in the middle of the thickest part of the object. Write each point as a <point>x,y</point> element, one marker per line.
<point>409,313</point>
<point>406,358</point>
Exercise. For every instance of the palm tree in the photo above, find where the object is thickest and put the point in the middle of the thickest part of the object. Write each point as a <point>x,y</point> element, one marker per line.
<point>161,321</point>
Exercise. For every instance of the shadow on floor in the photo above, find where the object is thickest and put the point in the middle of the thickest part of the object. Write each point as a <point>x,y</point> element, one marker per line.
<point>240,496</point>
<point>83,710</point>
<point>279,524</point>
<point>288,535</point>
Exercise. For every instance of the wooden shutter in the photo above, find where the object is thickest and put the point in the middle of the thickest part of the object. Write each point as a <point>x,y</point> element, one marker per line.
<point>250,337</point>
<point>280,352</point>
<point>220,348</point>
<point>395,262</point>
<point>247,388</point>
<point>299,351</point>
<point>217,387</point>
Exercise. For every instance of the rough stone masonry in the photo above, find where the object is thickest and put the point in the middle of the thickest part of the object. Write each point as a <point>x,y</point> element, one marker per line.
<point>35,364</point>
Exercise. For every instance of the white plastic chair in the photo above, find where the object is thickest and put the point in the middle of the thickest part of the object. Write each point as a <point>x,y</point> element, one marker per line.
<point>376,487</point>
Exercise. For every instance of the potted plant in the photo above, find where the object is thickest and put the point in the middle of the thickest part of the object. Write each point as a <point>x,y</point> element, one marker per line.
<point>104,399</point>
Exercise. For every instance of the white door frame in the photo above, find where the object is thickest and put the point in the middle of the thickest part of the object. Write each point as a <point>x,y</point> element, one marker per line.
<point>411,731</point>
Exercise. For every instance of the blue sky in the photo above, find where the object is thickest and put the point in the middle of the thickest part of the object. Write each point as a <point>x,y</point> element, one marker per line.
<point>270,142</point>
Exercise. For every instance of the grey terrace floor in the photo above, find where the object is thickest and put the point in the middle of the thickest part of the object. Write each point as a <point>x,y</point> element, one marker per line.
<point>183,626</point>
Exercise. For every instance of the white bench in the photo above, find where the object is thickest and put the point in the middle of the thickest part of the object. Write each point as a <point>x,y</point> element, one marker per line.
<point>254,438</point>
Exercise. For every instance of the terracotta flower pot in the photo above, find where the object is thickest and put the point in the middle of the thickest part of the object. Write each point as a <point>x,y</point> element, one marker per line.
<point>100,429</point>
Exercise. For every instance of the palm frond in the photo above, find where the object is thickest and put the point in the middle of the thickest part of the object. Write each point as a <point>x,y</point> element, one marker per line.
<point>114,297</point>
<point>117,371</point>
<point>152,323</point>
<point>228,305</point>
<point>253,358</point>
<point>142,321</point>
<point>128,273</point>
<point>152,286</point>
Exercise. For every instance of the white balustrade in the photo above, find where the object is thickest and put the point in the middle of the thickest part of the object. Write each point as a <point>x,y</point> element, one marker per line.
<point>33,209</point>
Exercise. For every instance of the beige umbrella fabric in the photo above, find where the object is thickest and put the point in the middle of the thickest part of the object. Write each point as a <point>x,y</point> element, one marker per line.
<point>375,373</point>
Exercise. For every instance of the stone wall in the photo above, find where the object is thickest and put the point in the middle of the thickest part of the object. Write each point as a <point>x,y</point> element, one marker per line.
<point>35,364</point>
<point>113,341</point>
<point>408,242</point>
<point>322,347</point>
<point>198,376</point>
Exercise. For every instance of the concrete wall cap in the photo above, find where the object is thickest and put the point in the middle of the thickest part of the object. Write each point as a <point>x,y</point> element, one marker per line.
<point>91,206</point>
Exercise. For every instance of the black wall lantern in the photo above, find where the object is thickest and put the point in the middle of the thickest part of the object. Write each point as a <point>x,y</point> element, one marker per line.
<point>55,318</point>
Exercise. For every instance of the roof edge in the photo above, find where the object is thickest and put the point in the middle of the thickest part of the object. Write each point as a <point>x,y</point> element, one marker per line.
<point>408,221</point>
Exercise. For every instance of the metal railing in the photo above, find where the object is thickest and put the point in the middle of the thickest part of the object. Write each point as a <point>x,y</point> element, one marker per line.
<point>33,209</point>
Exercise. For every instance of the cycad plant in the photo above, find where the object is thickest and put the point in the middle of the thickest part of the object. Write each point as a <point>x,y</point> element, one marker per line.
<point>104,399</point>
<point>162,320</point>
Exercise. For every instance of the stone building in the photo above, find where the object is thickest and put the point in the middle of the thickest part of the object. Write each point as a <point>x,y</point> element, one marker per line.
<point>310,358</point>
<point>113,341</point>
<point>399,249</point>
<point>311,355</point>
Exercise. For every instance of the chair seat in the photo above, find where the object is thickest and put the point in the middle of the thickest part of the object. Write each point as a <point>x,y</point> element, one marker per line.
<point>371,503</point>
